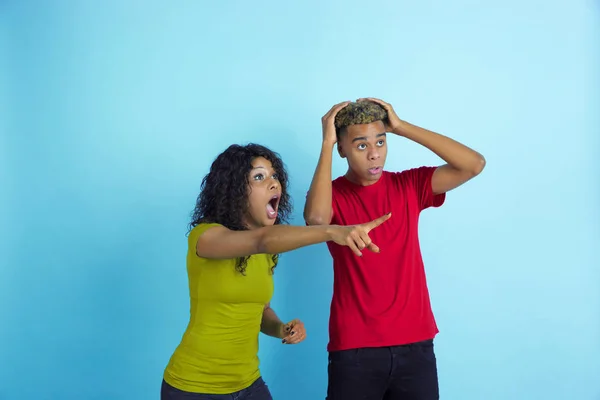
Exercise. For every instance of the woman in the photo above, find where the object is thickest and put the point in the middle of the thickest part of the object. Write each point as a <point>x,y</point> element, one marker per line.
<point>233,245</point>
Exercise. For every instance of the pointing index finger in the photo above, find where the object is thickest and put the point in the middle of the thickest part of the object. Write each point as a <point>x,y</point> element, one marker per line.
<point>375,223</point>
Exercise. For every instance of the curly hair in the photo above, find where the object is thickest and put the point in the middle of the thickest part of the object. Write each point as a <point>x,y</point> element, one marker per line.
<point>362,112</point>
<point>223,197</point>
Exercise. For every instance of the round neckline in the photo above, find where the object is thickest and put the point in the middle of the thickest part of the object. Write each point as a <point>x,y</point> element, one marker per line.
<point>357,186</point>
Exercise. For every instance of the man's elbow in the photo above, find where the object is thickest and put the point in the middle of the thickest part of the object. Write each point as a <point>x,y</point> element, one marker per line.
<point>315,219</point>
<point>317,214</point>
<point>474,168</point>
<point>478,165</point>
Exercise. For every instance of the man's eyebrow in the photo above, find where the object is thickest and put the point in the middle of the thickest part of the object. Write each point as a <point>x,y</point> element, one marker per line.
<point>365,138</point>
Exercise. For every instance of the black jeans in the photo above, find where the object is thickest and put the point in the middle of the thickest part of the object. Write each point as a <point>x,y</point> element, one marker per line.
<point>257,391</point>
<point>407,372</point>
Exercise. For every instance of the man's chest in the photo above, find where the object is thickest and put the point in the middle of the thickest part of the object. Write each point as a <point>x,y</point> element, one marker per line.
<point>352,208</point>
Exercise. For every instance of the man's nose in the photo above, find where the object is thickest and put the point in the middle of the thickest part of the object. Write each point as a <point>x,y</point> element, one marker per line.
<point>373,155</point>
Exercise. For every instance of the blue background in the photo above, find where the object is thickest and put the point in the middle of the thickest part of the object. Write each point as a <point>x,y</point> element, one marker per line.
<point>111,113</point>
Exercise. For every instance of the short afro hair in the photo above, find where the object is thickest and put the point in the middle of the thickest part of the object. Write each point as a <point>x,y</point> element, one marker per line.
<point>362,112</point>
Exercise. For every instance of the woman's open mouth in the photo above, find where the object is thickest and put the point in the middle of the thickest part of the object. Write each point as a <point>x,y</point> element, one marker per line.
<point>272,207</point>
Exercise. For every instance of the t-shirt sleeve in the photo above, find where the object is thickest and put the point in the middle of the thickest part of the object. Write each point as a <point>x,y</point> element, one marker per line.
<point>418,181</point>
<point>195,234</point>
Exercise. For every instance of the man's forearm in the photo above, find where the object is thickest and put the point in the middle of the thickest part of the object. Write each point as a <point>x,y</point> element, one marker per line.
<point>454,153</point>
<point>271,325</point>
<point>317,210</point>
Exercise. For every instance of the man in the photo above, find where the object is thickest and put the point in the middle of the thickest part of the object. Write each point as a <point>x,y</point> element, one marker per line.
<point>381,327</point>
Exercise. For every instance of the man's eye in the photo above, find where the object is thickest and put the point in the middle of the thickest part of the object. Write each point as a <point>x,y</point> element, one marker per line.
<point>362,146</point>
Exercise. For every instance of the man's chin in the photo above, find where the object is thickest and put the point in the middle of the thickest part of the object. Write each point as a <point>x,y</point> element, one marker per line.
<point>373,177</point>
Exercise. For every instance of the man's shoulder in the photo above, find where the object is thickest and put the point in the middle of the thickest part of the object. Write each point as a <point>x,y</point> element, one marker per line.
<point>422,169</point>
<point>338,180</point>
<point>399,173</point>
<point>338,183</point>
<point>411,173</point>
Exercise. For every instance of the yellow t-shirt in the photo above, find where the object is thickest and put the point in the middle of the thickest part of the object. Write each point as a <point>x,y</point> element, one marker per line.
<point>218,353</point>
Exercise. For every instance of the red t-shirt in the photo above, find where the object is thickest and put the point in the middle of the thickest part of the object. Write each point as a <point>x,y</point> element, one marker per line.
<point>381,299</point>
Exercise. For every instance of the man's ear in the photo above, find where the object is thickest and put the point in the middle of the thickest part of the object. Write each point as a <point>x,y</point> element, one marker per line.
<point>341,150</point>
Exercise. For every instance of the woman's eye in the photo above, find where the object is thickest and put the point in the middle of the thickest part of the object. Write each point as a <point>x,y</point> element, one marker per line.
<point>259,177</point>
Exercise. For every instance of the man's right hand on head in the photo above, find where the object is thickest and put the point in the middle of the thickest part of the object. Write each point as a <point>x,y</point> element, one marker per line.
<point>328,121</point>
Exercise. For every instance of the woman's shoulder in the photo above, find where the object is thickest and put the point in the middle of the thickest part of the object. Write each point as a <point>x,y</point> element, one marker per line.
<point>197,231</point>
<point>202,227</point>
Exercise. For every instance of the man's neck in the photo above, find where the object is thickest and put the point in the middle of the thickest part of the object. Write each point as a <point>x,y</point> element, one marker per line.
<point>352,177</point>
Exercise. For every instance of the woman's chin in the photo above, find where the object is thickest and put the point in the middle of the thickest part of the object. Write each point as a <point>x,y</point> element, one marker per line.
<point>269,222</point>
